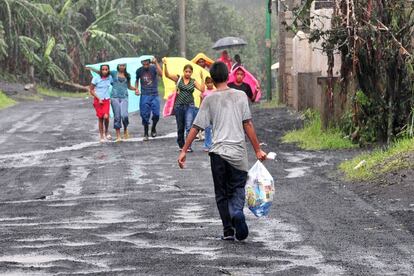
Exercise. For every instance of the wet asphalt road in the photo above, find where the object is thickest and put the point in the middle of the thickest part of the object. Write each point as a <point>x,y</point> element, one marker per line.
<point>71,206</point>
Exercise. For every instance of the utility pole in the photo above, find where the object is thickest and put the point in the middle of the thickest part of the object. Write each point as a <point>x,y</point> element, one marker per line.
<point>269,51</point>
<point>181,15</point>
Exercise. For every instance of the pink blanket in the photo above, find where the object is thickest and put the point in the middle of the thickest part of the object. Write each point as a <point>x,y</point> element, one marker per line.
<point>250,80</point>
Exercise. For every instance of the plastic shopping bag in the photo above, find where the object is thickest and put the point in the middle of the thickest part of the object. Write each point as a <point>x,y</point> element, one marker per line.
<point>260,189</point>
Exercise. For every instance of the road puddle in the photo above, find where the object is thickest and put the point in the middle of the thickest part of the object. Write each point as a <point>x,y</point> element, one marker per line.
<point>74,185</point>
<point>297,172</point>
<point>35,259</point>
<point>136,173</point>
<point>193,213</point>
<point>76,147</point>
<point>113,216</point>
<point>17,219</point>
<point>298,157</point>
<point>179,248</point>
<point>280,236</point>
<point>46,260</point>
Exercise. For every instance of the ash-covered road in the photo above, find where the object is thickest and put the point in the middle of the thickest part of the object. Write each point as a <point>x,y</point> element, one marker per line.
<point>72,206</point>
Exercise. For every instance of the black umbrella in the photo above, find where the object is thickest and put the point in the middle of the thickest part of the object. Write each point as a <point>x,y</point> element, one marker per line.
<point>229,42</point>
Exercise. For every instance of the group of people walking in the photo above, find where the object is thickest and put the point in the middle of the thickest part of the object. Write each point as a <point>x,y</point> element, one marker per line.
<point>147,79</point>
<point>224,116</point>
<point>120,81</point>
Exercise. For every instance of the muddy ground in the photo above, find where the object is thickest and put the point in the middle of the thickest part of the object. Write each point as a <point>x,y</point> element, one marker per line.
<point>72,206</point>
<point>17,91</point>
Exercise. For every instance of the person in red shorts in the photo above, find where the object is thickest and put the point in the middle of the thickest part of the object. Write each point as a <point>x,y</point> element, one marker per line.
<point>99,89</point>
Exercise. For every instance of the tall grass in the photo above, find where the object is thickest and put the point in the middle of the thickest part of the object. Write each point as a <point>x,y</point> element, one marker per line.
<point>312,137</point>
<point>380,161</point>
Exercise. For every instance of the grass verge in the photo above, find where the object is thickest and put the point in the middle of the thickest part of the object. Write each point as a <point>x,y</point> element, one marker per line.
<point>33,98</point>
<point>6,101</point>
<point>312,137</point>
<point>274,103</point>
<point>57,93</point>
<point>380,161</point>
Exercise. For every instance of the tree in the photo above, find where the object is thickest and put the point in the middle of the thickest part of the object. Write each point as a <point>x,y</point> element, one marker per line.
<point>374,39</point>
<point>52,40</point>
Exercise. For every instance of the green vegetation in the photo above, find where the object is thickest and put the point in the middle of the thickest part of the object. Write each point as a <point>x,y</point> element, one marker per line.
<point>6,101</point>
<point>52,40</point>
<point>268,105</point>
<point>380,161</point>
<point>311,137</point>
<point>57,93</point>
<point>382,104</point>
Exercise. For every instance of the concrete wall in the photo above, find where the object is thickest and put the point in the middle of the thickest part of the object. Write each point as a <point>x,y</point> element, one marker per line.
<point>285,18</point>
<point>323,11</point>
<point>303,62</point>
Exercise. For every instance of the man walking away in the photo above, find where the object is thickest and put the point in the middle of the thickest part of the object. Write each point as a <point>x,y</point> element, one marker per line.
<point>150,101</point>
<point>227,110</point>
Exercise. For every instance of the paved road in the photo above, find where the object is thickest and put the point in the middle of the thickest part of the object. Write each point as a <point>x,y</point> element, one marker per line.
<point>70,206</point>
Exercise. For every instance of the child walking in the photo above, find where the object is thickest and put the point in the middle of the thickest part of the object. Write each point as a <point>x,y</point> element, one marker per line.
<point>121,82</point>
<point>229,113</point>
<point>208,132</point>
<point>99,89</point>
<point>119,100</point>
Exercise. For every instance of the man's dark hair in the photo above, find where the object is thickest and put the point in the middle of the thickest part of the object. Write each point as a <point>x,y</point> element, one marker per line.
<point>237,58</point>
<point>219,72</point>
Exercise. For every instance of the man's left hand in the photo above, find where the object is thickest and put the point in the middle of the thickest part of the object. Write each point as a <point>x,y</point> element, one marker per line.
<point>261,155</point>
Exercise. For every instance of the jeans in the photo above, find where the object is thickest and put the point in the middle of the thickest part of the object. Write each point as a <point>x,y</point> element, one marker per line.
<point>120,109</point>
<point>208,137</point>
<point>229,184</point>
<point>196,109</point>
<point>147,105</point>
<point>184,115</point>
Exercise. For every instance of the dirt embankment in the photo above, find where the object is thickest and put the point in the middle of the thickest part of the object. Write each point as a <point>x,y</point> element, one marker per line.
<point>18,91</point>
<point>393,192</point>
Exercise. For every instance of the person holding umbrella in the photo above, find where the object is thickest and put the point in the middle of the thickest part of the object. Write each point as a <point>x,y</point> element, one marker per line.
<point>225,58</point>
<point>227,43</point>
